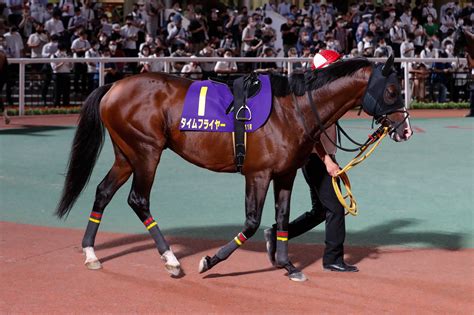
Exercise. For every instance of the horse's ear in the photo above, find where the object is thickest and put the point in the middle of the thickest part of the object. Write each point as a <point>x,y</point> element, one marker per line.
<point>387,67</point>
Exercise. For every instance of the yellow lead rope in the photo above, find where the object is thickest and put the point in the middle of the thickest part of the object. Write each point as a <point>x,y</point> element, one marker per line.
<point>342,174</point>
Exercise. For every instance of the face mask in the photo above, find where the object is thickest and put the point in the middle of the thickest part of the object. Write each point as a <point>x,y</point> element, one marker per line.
<point>112,47</point>
<point>253,24</point>
<point>227,56</point>
<point>460,22</point>
<point>393,14</point>
<point>305,38</point>
<point>430,19</point>
<point>430,5</point>
<point>449,47</point>
<point>102,39</point>
<point>307,24</point>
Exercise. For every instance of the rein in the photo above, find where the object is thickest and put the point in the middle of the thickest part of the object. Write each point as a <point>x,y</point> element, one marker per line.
<point>374,140</point>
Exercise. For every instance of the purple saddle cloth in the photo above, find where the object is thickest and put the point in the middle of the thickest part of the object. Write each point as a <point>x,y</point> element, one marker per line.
<point>206,103</point>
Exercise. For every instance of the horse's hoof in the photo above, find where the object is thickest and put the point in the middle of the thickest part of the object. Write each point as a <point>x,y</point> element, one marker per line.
<point>173,270</point>
<point>204,264</point>
<point>172,264</point>
<point>93,265</point>
<point>297,276</point>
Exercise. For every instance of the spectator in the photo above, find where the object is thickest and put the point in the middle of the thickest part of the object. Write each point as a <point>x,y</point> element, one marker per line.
<point>439,79</point>
<point>419,33</point>
<point>215,27</point>
<point>383,50</point>
<point>129,33</point>
<point>152,9</point>
<point>389,22</point>
<point>268,33</point>
<point>149,42</point>
<point>198,30</point>
<point>325,18</point>
<point>112,74</point>
<point>54,26</point>
<point>37,10</point>
<point>157,66</point>
<point>106,27</point>
<point>249,39</point>
<point>36,41</point>
<point>79,47</point>
<point>49,49</point>
<point>16,12</point>
<point>226,67</point>
<point>26,25</point>
<point>145,52</point>
<point>341,34</point>
<point>406,17</point>
<point>366,43</point>
<point>207,67</point>
<point>289,34</point>
<point>307,10</point>
<point>430,27</point>
<point>92,67</point>
<point>428,52</point>
<point>397,36</point>
<point>268,66</point>
<point>179,52</point>
<point>428,10</point>
<point>284,7</point>
<point>307,26</point>
<point>87,12</point>
<point>77,21</point>
<point>448,22</point>
<point>176,33</point>
<point>192,70</point>
<point>61,76</point>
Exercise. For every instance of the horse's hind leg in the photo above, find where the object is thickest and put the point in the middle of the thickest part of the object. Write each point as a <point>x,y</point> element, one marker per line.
<point>115,178</point>
<point>256,186</point>
<point>139,200</point>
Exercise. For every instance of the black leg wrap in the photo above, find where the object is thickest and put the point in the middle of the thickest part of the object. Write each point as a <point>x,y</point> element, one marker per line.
<point>89,235</point>
<point>224,252</point>
<point>282,253</point>
<point>159,239</point>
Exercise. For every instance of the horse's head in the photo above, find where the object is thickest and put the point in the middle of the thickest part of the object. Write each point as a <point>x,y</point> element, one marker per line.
<point>383,101</point>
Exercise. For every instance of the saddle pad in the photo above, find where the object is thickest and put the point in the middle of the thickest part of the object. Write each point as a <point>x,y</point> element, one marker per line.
<point>206,103</point>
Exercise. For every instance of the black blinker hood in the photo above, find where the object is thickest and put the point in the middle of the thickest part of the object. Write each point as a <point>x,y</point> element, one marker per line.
<point>375,101</point>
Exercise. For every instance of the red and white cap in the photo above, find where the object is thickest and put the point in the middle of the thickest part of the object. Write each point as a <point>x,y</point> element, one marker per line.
<point>324,58</point>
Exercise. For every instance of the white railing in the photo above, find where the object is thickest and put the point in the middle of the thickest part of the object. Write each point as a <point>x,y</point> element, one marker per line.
<point>167,61</point>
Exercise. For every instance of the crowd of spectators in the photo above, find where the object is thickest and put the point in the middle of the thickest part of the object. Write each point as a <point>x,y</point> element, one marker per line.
<point>85,29</point>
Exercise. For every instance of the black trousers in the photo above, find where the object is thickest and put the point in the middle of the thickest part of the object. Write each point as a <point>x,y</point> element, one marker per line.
<point>325,207</point>
<point>62,87</point>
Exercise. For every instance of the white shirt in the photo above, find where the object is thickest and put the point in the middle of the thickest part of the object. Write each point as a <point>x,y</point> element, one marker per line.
<point>92,66</point>
<point>156,66</point>
<point>15,43</point>
<point>37,40</point>
<point>53,26</point>
<point>60,67</point>
<point>225,66</point>
<point>79,43</point>
<point>127,32</point>
<point>49,49</point>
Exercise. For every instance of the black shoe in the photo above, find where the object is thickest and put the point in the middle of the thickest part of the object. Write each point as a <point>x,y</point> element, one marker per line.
<point>342,267</point>
<point>270,240</point>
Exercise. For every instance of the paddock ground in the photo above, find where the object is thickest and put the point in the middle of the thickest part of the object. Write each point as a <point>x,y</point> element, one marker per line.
<point>413,239</point>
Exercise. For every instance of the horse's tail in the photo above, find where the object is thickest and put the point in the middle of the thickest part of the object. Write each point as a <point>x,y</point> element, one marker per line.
<point>86,147</point>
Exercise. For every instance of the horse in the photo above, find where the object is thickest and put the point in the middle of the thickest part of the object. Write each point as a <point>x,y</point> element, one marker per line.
<point>142,116</point>
<point>3,80</point>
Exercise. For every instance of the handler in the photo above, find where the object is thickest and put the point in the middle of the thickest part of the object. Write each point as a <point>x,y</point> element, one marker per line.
<point>318,173</point>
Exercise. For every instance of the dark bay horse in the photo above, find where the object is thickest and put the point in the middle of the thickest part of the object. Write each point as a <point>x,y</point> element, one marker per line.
<point>3,80</point>
<point>142,115</point>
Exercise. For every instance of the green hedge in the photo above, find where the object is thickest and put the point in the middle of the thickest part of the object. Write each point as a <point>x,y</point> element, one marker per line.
<point>448,105</point>
<point>46,111</point>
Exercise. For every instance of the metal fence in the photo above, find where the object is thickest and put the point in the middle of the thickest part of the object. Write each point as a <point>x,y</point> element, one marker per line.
<point>31,84</point>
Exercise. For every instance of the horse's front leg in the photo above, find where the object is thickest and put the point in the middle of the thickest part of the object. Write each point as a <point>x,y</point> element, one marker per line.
<point>256,186</point>
<point>282,187</point>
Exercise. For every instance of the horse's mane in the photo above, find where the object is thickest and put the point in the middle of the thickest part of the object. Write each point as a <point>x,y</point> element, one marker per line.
<point>299,83</point>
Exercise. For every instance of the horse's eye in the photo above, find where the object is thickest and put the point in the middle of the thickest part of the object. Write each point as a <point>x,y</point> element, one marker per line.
<point>390,94</point>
